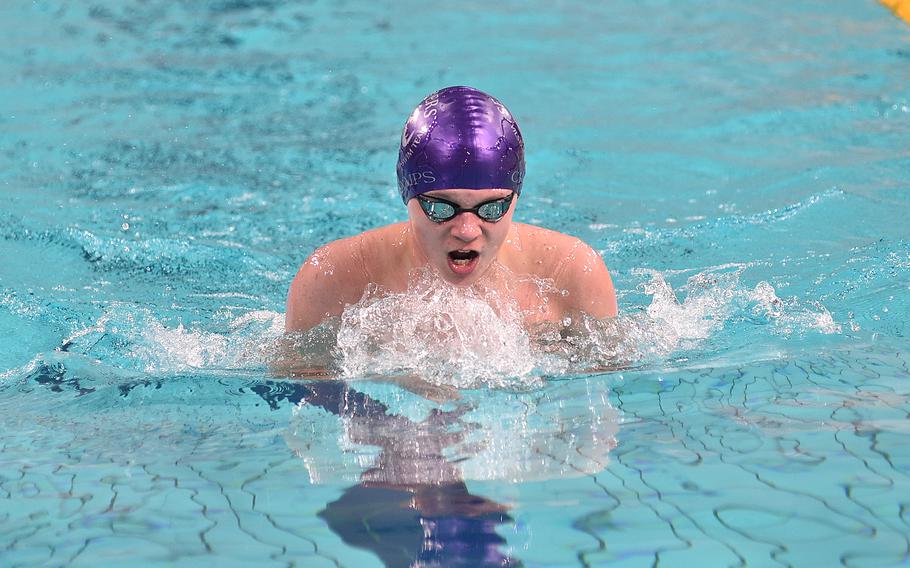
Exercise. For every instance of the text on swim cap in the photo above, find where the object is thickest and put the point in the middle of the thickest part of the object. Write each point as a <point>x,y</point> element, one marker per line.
<point>414,137</point>
<point>419,177</point>
<point>429,105</point>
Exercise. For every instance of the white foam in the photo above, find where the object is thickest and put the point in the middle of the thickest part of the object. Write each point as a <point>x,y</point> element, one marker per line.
<point>459,337</point>
<point>140,340</point>
<point>790,316</point>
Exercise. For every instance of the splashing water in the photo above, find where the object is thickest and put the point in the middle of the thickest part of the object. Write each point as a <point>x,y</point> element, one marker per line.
<point>135,339</point>
<point>790,316</point>
<point>446,334</point>
<point>714,299</point>
<point>460,337</point>
<point>467,337</point>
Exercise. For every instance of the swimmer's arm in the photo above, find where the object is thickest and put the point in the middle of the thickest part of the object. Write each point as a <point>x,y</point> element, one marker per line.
<point>294,368</point>
<point>308,355</point>
<point>587,283</point>
<point>430,391</point>
<point>331,278</point>
<point>313,296</point>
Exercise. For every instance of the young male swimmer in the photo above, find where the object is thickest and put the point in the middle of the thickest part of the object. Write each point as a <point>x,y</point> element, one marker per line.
<point>460,171</point>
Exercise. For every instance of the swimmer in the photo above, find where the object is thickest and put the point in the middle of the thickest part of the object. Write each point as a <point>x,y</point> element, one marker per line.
<point>460,172</point>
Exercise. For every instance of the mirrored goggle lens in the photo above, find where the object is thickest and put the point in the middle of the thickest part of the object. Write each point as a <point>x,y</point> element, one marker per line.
<point>437,210</point>
<point>492,211</point>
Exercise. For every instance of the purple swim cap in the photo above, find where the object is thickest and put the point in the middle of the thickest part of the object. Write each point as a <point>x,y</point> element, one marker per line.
<point>460,138</point>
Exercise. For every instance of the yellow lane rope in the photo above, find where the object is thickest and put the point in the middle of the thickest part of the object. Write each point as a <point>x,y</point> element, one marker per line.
<point>901,8</point>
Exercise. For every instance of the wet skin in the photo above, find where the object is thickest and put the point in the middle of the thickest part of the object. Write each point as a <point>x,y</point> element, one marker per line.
<point>463,251</point>
<point>464,235</point>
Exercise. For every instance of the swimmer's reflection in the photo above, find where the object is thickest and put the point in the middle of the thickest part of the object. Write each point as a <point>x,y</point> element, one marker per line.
<point>411,508</point>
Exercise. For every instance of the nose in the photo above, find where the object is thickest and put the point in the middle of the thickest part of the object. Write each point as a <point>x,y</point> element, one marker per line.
<point>466,227</point>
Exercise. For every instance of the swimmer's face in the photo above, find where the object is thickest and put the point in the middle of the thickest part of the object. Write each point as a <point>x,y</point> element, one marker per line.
<point>463,248</point>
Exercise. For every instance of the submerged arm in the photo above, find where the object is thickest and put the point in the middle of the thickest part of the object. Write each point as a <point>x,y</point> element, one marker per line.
<point>307,354</point>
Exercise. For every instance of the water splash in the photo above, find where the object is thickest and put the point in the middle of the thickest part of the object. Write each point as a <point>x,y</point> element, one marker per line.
<point>465,337</point>
<point>714,303</point>
<point>459,336</point>
<point>790,316</point>
<point>134,338</point>
<point>462,337</point>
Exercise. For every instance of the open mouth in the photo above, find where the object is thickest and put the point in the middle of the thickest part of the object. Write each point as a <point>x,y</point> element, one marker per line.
<point>462,257</point>
<point>463,261</point>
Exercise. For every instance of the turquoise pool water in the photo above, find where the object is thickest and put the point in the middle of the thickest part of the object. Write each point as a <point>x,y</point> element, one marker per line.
<point>742,168</point>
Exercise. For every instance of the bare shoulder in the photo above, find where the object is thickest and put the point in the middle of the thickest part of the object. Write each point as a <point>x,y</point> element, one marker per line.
<point>539,237</point>
<point>337,274</point>
<point>574,266</point>
<point>541,251</point>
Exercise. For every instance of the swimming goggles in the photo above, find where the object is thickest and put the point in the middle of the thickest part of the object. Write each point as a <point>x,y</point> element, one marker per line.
<point>440,210</point>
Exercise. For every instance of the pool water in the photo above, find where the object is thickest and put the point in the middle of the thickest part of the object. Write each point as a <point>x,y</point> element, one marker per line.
<point>742,168</point>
